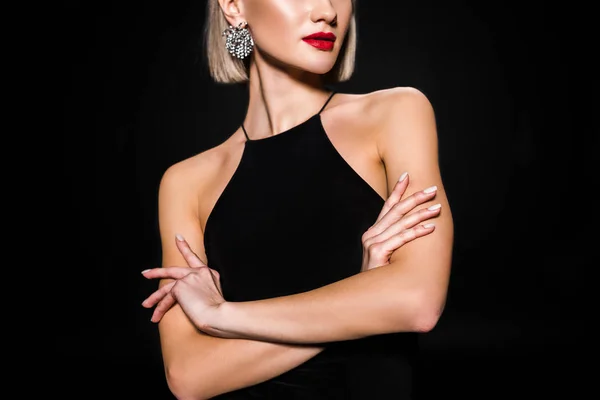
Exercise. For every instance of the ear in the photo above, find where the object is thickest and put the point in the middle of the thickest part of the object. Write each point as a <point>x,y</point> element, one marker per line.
<point>233,10</point>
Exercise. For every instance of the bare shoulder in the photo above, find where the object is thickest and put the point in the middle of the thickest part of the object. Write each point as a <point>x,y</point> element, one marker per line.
<point>191,177</point>
<point>406,103</point>
<point>396,97</point>
<point>408,116</point>
<point>190,172</point>
<point>398,94</point>
<point>379,109</point>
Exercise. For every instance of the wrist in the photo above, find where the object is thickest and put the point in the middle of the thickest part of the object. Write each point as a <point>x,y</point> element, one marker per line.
<point>223,321</point>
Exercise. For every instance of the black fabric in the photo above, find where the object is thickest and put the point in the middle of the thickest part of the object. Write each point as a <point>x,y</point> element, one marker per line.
<point>290,220</point>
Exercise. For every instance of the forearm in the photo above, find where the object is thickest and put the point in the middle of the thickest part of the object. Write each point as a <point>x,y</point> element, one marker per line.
<point>379,301</point>
<point>201,366</point>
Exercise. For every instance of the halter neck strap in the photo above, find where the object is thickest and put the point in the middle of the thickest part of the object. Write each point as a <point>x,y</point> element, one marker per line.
<point>320,111</point>
<point>326,102</point>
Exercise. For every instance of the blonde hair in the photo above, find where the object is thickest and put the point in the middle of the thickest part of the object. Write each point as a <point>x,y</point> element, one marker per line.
<point>224,68</point>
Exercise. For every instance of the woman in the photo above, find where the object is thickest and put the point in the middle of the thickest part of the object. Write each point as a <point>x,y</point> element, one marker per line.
<point>313,287</point>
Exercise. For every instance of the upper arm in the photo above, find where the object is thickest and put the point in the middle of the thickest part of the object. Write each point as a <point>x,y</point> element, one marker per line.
<point>408,143</point>
<point>178,214</point>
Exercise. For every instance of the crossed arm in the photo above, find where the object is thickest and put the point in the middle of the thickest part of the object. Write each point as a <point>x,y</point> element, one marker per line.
<point>406,295</point>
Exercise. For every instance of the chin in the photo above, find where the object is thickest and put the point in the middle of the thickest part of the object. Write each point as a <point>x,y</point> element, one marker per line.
<point>320,67</point>
<point>318,71</point>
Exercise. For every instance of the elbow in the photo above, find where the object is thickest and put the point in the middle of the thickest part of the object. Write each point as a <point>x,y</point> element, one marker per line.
<point>182,386</point>
<point>177,383</point>
<point>427,313</point>
<point>425,321</point>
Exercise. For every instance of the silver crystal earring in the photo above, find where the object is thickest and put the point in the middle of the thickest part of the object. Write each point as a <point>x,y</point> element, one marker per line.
<point>239,41</point>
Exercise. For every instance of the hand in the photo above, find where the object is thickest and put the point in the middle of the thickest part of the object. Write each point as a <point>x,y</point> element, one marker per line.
<point>196,288</point>
<point>394,228</point>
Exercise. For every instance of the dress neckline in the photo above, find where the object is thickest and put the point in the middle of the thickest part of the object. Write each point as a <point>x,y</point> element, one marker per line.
<point>287,132</point>
<point>293,128</point>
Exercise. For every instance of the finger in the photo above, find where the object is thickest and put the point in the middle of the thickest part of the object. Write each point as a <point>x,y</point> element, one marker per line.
<point>190,257</point>
<point>407,235</point>
<point>406,222</point>
<point>166,272</point>
<point>158,295</point>
<point>395,195</point>
<point>403,207</point>
<point>163,306</point>
<point>214,276</point>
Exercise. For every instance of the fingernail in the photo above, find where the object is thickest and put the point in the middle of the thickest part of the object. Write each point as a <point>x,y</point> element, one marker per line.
<point>434,207</point>
<point>427,226</point>
<point>179,237</point>
<point>144,271</point>
<point>403,177</point>
<point>430,189</point>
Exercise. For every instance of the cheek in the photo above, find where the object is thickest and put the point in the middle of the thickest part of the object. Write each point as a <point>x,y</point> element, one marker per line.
<point>344,11</point>
<point>275,21</point>
<point>344,17</point>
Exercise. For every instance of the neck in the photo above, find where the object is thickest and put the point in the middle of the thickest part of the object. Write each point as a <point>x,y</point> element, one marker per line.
<point>279,98</point>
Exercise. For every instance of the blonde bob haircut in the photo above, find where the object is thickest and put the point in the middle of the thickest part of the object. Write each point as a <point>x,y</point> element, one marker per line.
<point>224,68</point>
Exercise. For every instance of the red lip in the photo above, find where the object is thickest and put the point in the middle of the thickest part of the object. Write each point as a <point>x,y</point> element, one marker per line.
<point>321,36</point>
<point>321,40</point>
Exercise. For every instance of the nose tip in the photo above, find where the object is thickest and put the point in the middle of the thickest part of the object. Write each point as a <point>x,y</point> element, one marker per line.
<point>324,11</point>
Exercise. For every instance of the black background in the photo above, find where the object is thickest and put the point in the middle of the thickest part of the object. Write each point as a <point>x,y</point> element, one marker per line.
<point>511,84</point>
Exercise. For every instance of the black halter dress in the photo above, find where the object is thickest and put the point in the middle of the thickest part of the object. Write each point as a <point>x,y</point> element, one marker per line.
<point>290,220</point>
